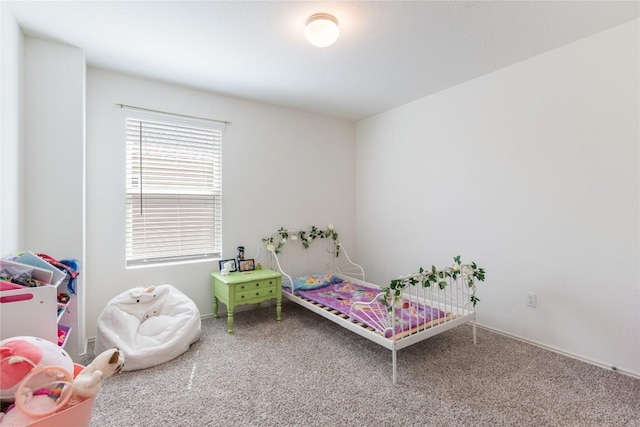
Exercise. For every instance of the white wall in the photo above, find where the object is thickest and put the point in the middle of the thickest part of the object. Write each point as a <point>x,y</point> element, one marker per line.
<point>533,172</point>
<point>280,168</point>
<point>11,68</point>
<point>54,157</point>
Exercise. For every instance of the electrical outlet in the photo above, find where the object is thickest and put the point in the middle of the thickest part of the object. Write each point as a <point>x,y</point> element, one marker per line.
<point>532,300</point>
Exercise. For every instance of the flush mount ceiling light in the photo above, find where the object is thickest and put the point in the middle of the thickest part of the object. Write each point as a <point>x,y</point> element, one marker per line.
<point>322,29</point>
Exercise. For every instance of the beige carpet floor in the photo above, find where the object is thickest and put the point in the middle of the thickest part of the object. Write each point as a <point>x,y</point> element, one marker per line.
<point>307,371</point>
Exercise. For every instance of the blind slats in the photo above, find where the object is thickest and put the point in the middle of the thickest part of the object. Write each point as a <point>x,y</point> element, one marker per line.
<point>173,191</point>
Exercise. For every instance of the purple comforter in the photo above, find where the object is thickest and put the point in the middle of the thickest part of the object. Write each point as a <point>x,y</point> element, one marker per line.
<point>342,296</point>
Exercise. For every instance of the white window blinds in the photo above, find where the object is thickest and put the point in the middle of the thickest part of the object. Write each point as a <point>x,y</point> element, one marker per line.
<point>173,188</point>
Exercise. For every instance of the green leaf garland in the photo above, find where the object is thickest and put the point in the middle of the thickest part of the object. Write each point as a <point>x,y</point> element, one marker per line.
<point>435,277</point>
<point>277,242</point>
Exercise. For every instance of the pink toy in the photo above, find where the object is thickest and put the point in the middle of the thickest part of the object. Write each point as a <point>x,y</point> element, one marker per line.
<point>66,394</point>
<point>29,407</point>
<point>20,355</point>
<point>62,336</point>
<point>36,404</point>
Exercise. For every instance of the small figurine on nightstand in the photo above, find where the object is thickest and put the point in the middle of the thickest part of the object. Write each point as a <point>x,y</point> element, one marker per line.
<point>226,268</point>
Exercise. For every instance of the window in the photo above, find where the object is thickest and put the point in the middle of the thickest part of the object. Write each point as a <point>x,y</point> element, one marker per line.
<point>173,186</point>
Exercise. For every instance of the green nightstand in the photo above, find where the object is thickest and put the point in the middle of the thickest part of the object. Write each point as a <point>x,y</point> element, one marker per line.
<point>248,287</point>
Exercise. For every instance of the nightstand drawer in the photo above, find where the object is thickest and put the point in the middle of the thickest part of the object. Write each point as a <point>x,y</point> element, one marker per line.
<point>255,285</point>
<point>259,292</point>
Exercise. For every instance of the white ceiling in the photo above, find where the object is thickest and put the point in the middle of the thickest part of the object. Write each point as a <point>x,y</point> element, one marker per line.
<point>389,53</point>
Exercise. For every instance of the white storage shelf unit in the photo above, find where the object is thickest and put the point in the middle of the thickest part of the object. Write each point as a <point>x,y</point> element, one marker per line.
<point>33,311</point>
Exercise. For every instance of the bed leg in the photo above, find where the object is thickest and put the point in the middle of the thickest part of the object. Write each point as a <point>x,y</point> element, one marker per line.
<point>475,340</point>
<point>395,364</point>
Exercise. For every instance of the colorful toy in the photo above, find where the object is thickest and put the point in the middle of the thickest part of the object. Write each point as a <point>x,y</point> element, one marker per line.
<point>39,405</point>
<point>20,355</point>
<point>63,298</point>
<point>62,336</point>
<point>31,406</point>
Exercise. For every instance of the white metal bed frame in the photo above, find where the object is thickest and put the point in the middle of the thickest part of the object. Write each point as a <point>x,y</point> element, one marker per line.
<point>454,299</point>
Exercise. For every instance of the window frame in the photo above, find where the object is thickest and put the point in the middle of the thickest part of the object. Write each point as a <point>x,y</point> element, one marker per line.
<point>171,200</point>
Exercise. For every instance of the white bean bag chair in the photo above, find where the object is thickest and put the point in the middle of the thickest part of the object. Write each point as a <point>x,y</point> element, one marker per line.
<point>149,325</point>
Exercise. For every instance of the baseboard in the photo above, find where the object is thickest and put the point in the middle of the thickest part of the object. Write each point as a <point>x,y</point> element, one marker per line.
<point>562,352</point>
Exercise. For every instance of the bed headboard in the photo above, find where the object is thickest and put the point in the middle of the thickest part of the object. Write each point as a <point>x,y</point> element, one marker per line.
<point>302,252</point>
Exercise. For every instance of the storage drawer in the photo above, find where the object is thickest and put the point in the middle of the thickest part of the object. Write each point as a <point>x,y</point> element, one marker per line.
<point>255,293</point>
<point>255,289</point>
<point>255,285</point>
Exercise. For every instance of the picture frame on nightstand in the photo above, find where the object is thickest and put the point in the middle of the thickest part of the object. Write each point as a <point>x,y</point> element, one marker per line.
<point>222,262</point>
<point>246,265</point>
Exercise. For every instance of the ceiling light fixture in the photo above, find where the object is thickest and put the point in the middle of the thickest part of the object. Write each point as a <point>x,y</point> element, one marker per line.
<point>322,29</point>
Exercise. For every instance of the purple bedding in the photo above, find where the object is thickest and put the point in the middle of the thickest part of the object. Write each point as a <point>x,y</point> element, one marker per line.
<point>341,297</point>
